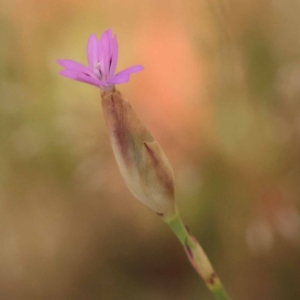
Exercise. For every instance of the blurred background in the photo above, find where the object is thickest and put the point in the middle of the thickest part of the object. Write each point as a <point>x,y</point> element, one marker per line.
<point>220,92</point>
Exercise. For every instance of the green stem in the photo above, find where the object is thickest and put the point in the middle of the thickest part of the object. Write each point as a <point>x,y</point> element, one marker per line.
<point>197,257</point>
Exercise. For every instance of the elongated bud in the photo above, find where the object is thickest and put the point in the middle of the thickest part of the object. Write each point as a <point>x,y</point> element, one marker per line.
<point>200,262</point>
<point>142,162</point>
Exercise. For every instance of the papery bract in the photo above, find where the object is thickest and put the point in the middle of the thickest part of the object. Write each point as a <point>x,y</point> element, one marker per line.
<point>142,162</point>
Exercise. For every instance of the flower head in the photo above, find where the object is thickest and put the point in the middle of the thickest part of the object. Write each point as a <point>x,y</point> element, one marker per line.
<point>102,58</point>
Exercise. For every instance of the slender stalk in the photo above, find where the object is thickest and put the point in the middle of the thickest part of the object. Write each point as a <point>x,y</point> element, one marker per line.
<point>197,256</point>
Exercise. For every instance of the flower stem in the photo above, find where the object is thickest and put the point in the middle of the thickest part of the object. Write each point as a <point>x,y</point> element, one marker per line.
<point>197,256</point>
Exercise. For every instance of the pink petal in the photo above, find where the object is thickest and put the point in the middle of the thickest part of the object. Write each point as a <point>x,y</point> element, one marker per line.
<point>104,51</point>
<point>119,78</point>
<point>92,51</point>
<point>114,55</point>
<point>133,69</point>
<point>75,66</point>
<point>80,77</point>
<point>124,75</point>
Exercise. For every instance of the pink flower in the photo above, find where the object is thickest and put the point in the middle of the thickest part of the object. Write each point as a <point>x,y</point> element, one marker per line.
<point>102,57</point>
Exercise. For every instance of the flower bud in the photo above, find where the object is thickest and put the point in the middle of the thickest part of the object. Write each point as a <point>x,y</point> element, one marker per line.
<point>142,162</point>
<point>200,262</point>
